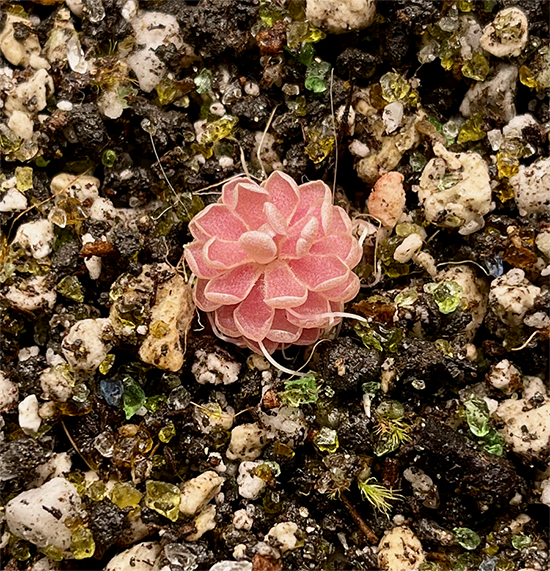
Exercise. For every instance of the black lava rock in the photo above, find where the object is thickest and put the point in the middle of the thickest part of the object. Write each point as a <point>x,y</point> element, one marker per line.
<point>253,111</point>
<point>344,364</point>
<point>20,458</point>
<point>354,63</point>
<point>88,126</point>
<point>462,470</point>
<point>106,524</point>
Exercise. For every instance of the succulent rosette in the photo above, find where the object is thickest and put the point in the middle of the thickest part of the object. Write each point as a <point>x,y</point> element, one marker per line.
<point>273,262</point>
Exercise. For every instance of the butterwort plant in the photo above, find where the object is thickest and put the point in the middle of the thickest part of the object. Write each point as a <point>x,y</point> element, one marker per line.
<point>273,262</point>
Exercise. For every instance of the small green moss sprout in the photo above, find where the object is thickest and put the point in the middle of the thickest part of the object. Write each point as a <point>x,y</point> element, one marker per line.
<point>378,495</point>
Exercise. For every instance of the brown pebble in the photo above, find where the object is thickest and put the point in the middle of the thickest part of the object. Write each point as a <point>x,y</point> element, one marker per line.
<point>270,399</point>
<point>263,563</point>
<point>99,248</point>
<point>272,40</point>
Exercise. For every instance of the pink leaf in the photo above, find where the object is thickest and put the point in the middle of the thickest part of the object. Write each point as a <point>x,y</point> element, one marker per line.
<point>308,336</point>
<point>327,213</point>
<point>270,346</point>
<point>318,273</point>
<point>283,192</point>
<point>225,255</point>
<point>313,313</point>
<point>355,255</point>
<point>282,331</point>
<point>253,317</point>
<point>259,246</point>
<point>200,300</point>
<point>345,246</point>
<point>199,234</point>
<point>312,194</point>
<point>229,191</point>
<point>194,256</point>
<point>217,220</point>
<point>300,237</point>
<point>233,286</point>
<point>341,224</point>
<point>239,341</point>
<point>275,219</point>
<point>225,321</point>
<point>288,247</point>
<point>307,237</point>
<point>250,205</point>
<point>344,292</point>
<point>282,289</point>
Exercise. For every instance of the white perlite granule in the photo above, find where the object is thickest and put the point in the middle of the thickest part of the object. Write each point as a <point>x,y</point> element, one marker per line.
<point>455,190</point>
<point>215,367</point>
<point>38,515</point>
<point>340,17</point>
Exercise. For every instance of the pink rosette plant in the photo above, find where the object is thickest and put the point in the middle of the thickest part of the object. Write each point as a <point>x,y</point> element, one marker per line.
<point>273,262</point>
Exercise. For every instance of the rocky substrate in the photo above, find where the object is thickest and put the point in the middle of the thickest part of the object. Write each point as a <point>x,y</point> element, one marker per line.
<point>134,433</point>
